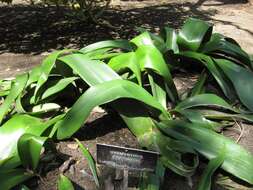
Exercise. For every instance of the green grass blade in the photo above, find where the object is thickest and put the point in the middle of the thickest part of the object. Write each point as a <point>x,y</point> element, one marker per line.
<point>90,160</point>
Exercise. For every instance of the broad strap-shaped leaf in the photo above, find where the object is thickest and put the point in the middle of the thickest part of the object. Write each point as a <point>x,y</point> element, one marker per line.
<point>143,39</point>
<point>46,67</point>
<point>220,78</point>
<point>64,183</point>
<point>237,161</point>
<point>213,165</point>
<point>199,87</point>
<point>12,130</point>
<point>5,86</point>
<point>204,100</point>
<point>193,33</point>
<point>151,59</point>
<point>170,37</point>
<point>44,108</point>
<point>195,116</point>
<point>242,80</point>
<point>23,187</point>
<point>17,87</point>
<point>126,61</point>
<point>29,149</point>
<point>90,160</point>
<point>219,44</point>
<point>122,44</point>
<point>137,118</point>
<point>101,94</point>
<point>157,39</point>
<point>53,87</point>
<point>152,181</point>
<point>172,151</point>
<point>91,71</point>
<point>11,177</point>
<point>218,115</point>
<point>34,75</point>
<point>158,89</point>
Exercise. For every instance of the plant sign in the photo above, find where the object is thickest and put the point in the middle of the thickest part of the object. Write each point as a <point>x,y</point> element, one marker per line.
<point>122,158</point>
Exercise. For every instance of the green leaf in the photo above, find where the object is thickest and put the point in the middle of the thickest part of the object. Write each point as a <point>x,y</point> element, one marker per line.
<point>34,75</point>
<point>152,181</point>
<point>214,114</point>
<point>242,80</point>
<point>172,151</point>
<point>237,161</point>
<point>204,100</point>
<point>126,61</point>
<point>101,94</point>
<point>123,44</point>
<point>12,130</point>
<point>150,58</point>
<point>214,164</point>
<point>170,37</point>
<point>23,187</point>
<point>199,86</point>
<point>219,44</point>
<point>5,86</point>
<point>195,116</point>
<point>44,108</point>
<point>193,33</point>
<point>157,40</point>
<point>11,177</point>
<point>46,67</point>
<point>29,149</point>
<point>64,183</point>
<point>208,62</point>
<point>143,40</point>
<point>16,89</point>
<point>158,89</point>
<point>90,160</point>
<point>91,71</point>
<point>55,86</point>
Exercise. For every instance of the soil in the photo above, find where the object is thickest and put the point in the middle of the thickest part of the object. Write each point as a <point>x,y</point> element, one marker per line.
<point>28,33</point>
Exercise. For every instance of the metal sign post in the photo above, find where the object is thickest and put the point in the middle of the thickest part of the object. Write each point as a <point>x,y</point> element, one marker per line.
<point>126,159</point>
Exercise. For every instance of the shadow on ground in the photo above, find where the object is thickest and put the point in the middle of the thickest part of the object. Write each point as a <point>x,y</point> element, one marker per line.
<point>35,29</point>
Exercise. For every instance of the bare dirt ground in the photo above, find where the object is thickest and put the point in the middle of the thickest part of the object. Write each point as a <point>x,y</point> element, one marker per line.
<point>28,33</point>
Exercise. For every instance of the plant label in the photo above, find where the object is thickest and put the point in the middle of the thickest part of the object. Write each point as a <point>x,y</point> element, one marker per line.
<point>126,158</point>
